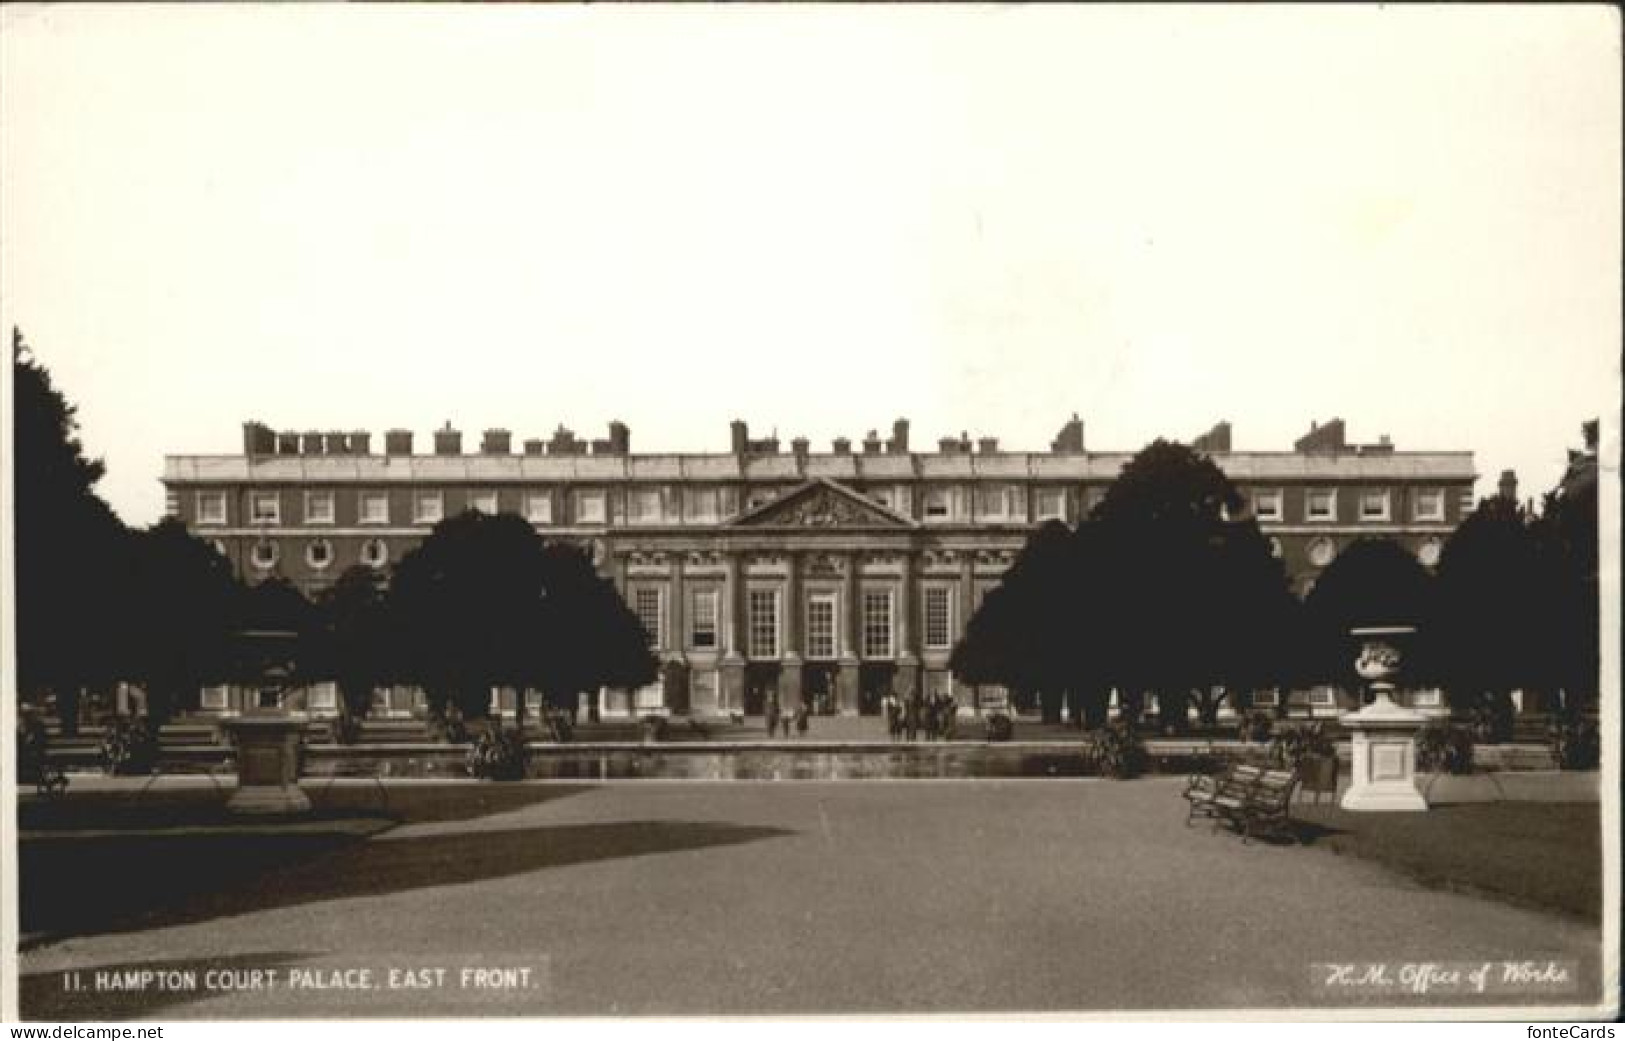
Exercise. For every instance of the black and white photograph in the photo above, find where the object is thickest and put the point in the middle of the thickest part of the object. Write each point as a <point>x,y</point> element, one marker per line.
<point>683,512</point>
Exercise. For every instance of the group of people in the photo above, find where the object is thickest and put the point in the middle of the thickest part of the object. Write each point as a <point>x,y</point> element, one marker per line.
<point>779,720</point>
<point>935,715</point>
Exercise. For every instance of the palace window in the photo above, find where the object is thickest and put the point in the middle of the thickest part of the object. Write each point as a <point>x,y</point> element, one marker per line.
<point>877,623</point>
<point>590,508</point>
<point>319,554</point>
<point>762,613</point>
<point>374,508</point>
<point>1429,504</point>
<point>999,502</point>
<point>324,697</point>
<point>265,508</point>
<point>374,553</point>
<point>428,507</point>
<point>1321,505</point>
<point>1051,504</point>
<point>884,497</point>
<point>648,602</point>
<point>1267,505</point>
<point>937,504</point>
<point>643,506</point>
<point>938,618</point>
<point>821,626</point>
<point>211,507</point>
<point>214,699</point>
<point>1374,505</point>
<point>703,504</point>
<point>702,625</point>
<point>318,507</point>
<point>484,501</point>
<point>265,555</point>
<point>539,508</point>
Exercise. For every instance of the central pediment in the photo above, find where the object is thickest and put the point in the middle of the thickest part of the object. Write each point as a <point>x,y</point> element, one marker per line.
<point>821,503</point>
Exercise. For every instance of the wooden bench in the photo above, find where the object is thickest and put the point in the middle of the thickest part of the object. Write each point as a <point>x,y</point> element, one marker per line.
<point>1253,799</point>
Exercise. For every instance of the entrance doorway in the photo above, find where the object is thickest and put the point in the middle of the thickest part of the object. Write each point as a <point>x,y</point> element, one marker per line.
<point>875,681</point>
<point>761,679</point>
<point>818,687</point>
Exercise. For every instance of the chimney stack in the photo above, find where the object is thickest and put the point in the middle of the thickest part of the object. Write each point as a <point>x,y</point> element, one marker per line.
<point>338,442</point>
<point>987,445</point>
<point>1322,439</point>
<point>1215,440</point>
<point>1070,439</point>
<point>899,438</point>
<point>311,443</point>
<point>258,439</point>
<point>535,446</point>
<point>360,442</point>
<point>1508,486</point>
<point>397,442</point>
<point>287,443</point>
<point>798,447</point>
<point>448,441</point>
<point>496,442</point>
<point>871,444</point>
<point>841,446</point>
<point>739,437</point>
<point>620,438</point>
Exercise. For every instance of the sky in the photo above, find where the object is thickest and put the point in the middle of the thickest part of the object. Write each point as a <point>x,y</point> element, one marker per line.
<point>816,219</point>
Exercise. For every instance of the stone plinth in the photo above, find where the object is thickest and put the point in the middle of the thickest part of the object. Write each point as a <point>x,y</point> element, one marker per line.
<point>267,765</point>
<point>1384,774</point>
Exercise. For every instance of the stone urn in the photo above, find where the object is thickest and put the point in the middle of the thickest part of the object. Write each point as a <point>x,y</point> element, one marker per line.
<point>1383,777</point>
<point>268,740</point>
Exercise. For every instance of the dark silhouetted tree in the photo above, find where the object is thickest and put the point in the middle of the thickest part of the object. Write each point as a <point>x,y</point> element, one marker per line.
<point>484,602</point>
<point>1567,536</point>
<point>180,612</point>
<point>1374,582</point>
<point>358,645</point>
<point>69,547</point>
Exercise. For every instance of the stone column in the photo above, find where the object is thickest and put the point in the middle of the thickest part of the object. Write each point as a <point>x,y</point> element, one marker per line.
<point>965,694</point>
<point>733,658</point>
<point>846,678</point>
<point>908,658</point>
<point>790,653</point>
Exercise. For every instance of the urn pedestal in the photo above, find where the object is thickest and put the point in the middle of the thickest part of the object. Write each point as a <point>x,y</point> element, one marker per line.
<point>1383,777</point>
<point>267,765</point>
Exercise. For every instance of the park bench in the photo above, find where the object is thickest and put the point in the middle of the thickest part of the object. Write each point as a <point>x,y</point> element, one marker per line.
<point>1252,799</point>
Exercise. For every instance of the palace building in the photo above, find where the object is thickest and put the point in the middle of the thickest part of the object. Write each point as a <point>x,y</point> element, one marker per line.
<point>830,576</point>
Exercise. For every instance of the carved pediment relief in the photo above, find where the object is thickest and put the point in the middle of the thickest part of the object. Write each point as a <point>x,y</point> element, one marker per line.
<point>822,504</point>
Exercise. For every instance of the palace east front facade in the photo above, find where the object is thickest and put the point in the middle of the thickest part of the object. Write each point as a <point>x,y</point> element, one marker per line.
<point>827,577</point>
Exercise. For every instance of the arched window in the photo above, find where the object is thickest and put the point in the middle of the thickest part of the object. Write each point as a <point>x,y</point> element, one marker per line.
<point>374,553</point>
<point>265,555</point>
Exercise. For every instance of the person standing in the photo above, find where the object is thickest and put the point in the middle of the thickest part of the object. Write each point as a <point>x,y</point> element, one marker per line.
<point>911,715</point>
<point>771,712</point>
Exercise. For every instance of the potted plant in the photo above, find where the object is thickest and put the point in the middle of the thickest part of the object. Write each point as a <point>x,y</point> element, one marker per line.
<point>1311,752</point>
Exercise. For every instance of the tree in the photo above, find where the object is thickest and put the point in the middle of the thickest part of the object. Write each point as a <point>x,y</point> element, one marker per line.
<point>1566,535</point>
<point>1158,591</point>
<point>68,547</point>
<point>357,646</point>
<point>181,608</point>
<point>1193,601</point>
<point>1374,582</point>
<point>1494,599</point>
<point>485,602</point>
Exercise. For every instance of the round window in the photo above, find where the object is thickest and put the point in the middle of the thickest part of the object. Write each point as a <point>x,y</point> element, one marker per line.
<point>1321,552</point>
<point>319,554</point>
<point>1275,547</point>
<point>1429,552</point>
<point>374,553</point>
<point>265,555</point>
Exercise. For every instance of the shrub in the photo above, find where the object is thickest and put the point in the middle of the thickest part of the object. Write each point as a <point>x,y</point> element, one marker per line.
<point>498,755</point>
<point>129,746</point>
<point>999,726</point>
<point>1291,745</point>
<point>560,725</point>
<point>1576,743</point>
<point>1117,750</point>
<point>654,728</point>
<point>1445,746</point>
<point>1258,726</point>
<point>449,726</point>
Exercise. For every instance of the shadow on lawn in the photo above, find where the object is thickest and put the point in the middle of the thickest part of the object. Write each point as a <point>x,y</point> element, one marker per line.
<point>67,886</point>
<point>44,996</point>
